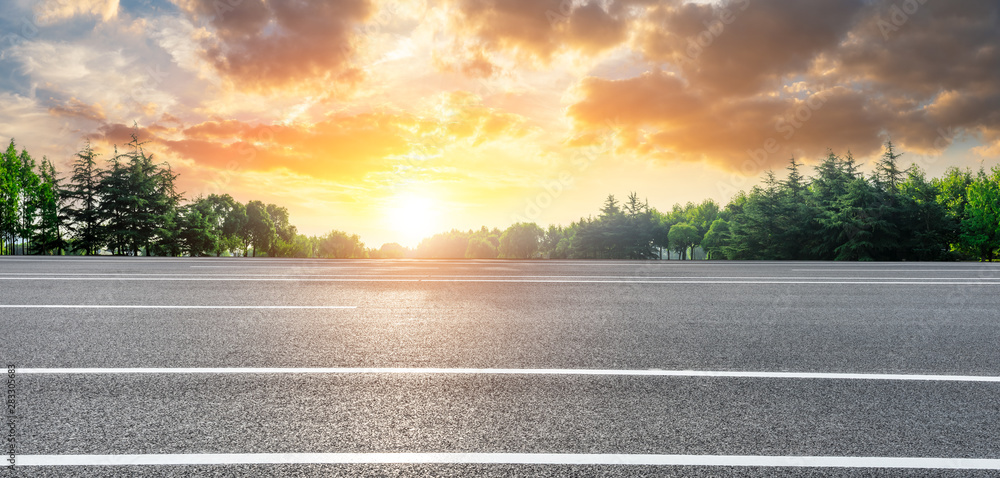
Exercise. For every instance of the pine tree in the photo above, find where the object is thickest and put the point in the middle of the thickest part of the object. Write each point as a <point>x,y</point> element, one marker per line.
<point>924,224</point>
<point>83,202</point>
<point>139,203</point>
<point>888,176</point>
<point>856,224</point>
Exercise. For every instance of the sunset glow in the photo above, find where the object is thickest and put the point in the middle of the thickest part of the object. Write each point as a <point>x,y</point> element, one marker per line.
<point>350,112</point>
<point>413,217</point>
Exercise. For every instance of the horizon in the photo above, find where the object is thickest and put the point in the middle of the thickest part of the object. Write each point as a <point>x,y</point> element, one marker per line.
<point>398,120</point>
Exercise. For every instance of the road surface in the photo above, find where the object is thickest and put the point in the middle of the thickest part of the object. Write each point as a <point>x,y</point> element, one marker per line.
<point>230,367</point>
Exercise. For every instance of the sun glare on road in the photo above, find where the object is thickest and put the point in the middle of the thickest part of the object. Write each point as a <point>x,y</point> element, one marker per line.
<point>413,217</point>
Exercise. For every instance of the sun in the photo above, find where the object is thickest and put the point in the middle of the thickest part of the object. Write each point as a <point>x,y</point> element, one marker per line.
<point>413,217</point>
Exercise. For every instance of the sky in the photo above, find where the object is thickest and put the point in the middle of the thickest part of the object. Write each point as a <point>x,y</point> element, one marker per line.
<point>396,119</point>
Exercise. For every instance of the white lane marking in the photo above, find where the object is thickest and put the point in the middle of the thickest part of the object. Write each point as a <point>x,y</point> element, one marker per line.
<point>103,306</point>
<point>514,459</point>
<point>908,281</point>
<point>71,275</point>
<point>980,269</point>
<point>516,371</point>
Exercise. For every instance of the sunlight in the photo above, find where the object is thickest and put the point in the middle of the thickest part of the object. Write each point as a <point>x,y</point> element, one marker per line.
<point>413,217</point>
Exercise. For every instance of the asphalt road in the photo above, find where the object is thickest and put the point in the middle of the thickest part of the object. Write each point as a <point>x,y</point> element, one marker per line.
<point>79,329</point>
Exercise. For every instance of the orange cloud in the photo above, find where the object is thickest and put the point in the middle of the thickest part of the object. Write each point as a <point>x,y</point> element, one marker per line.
<point>467,118</point>
<point>807,75</point>
<point>657,114</point>
<point>339,148</point>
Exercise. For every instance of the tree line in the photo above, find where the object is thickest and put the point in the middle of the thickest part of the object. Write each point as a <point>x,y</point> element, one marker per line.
<point>836,213</point>
<point>128,205</point>
<point>839,213</point>
<point>622,230</point>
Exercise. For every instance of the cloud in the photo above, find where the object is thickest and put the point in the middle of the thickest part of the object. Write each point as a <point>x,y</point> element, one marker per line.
<point>591,29</point>
<point>536,30</point>
<point>805,75</point>
<point>32,125</point>
<point>937,64</point>
<point>76,108</point>
<point>51,11</point>
<point>746,45</point>
<point>88,74</point>
<point>341,147</point>
<point>263,45</point>
<point>465,117</point>
<point>121,134</point>
<point>657,114</point>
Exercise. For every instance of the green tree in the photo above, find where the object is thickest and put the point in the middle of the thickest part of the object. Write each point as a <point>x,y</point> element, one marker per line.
<point>981,229</point>
<point>10,196</point>
<point>756,223</point>
<point>138,203</point>
<point>483,244</point>
<point>259,231</point>
<point>925,226</point>
<point>480,248</point>
<point>952,195</point>
<point>660,232</point>
<point>683,236</point>
<point>833,178</point>
<point>199,228</point>
<point>392,250</point>
<point>340,245</point>
<point>716,239</point>
<point>83,205</point>
<point>795,222</point>
<point>301,247</point>
<point>888,176</point>
<point>610,206</point>
<point>232,217</point>
<point>448,245</point>
<point>520,241</point>
<point>285,232</point>
<point>550,243</point>
<point>28,202</point>
<point>858,224</point>
<point>47,236</point>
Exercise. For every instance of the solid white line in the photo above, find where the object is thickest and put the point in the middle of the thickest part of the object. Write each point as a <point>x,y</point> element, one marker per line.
<point>103,306</point>
<point>516,371</point>
<point>513,459</point>
<point>521,281</point>
<point>981,269</point>
<point>71,275</point>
